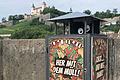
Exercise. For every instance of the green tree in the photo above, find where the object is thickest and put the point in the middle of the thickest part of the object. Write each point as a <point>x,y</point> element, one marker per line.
<point>108,11</point>
<point>30,33</point>
<point>87,12</point>
<point>100,14</point>
<point>20,17</point>
<point>115,11</point>
<point>15,18</point>
<point>53,11</point>
<point>11,17</point>
<point>70,10</point>
<point>35,21</point>
<point>105,14</point>
<point>108,14</point>
<point>4,20</point>
<point>97,14</point>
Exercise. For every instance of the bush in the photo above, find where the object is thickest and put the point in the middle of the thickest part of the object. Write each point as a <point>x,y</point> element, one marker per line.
<point>30,33</point>
<point>114,28</point>
<point>2,26</point>
<point>36,21</point>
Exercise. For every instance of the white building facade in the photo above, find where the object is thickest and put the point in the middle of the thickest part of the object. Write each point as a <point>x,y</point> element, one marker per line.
<point>38,10</point>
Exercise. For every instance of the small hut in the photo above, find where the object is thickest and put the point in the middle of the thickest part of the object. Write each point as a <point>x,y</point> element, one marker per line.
<point>78,23</point>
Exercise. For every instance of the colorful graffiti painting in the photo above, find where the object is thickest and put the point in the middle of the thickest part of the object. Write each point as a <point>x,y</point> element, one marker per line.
<point>66,58</point>
<point>99,59</point>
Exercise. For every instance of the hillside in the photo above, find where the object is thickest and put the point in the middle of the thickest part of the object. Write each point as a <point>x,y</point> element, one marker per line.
<point>11,29</point>
<point>34,29</point>
<point>28,30</point>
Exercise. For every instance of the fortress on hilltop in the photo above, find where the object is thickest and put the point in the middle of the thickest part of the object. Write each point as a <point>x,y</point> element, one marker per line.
<point>38,10</point>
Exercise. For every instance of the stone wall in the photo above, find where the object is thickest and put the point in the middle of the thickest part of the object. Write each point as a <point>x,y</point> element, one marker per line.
<point>114,56</point>
<point>23,60</point>
<point>117,59</point>
<point>1,66</point>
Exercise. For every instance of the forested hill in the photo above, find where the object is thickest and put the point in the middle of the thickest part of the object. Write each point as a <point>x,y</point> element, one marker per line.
<point>104,14</point>
<point>110,15</point>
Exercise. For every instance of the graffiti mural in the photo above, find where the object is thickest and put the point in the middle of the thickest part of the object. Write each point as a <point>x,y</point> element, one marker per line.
<point>99,58</point>
<point>66,58</point>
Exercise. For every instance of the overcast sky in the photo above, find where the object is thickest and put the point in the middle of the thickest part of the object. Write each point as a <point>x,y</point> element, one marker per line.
<point>10,7</point>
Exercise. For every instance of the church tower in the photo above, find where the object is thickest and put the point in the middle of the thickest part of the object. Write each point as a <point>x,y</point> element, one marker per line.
<point>44,5</point>
<point>33,6</point>
<point>32,9</point>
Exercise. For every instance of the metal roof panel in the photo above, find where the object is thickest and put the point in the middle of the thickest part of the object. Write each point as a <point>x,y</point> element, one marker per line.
<point>72,16</point>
